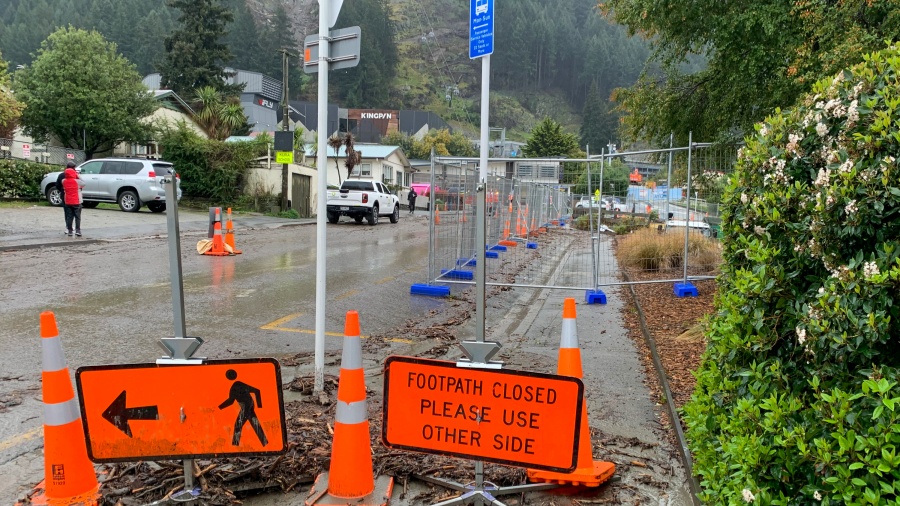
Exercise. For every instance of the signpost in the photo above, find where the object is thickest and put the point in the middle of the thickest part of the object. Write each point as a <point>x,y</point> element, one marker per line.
<point>344,50</point>
<point>149,411</point>
<point>509,417</point>
<point>284,157</point>
<point>481,28</point>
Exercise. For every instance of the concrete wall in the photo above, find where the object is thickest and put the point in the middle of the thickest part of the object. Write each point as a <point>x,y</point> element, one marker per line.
<point>268,180</point>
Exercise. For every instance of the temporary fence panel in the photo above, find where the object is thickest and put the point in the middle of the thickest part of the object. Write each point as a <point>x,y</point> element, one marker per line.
<point>552,223</point>
<point>42,153</point>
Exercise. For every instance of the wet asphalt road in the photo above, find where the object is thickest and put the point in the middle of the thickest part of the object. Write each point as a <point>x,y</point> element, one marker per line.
<point>112,299</point>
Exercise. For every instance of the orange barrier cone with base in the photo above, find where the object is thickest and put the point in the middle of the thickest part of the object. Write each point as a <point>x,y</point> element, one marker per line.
<point>229,234</point>
<point>218,245</point>
<point>590,472</point>
<point>349,479</point>
<point>69,477</point>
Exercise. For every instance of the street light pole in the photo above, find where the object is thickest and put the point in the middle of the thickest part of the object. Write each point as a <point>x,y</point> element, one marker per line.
<point>285,122</point>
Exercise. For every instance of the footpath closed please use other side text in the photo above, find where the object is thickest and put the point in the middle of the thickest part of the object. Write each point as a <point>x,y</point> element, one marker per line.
<point>504,416</point>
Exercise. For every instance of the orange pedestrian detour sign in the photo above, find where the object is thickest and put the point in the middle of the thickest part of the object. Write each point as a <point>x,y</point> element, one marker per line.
<point>505,416</point>
<point>214,409</point>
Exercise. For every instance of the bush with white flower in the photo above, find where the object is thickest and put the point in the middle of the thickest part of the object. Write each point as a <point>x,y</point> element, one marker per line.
<point>797,398</point>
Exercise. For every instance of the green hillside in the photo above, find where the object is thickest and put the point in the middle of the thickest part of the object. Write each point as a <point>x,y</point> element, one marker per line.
<point>548,54</point>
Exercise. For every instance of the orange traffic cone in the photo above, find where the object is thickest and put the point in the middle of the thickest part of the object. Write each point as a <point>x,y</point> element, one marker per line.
<point>218,245</point>
<point>437,216</point>
<point>229,234</point>
<point>350,475</point>
<point>590,472</point>
<point>69,477</point>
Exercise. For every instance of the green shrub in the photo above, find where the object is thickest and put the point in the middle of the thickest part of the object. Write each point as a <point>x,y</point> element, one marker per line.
<point>290,214</point>
<point>797,399</point>
<point>21,179</point>
<point>209,168</point>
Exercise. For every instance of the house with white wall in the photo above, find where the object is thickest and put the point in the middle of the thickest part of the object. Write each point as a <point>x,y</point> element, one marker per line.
<point>387,164</point>
<point>171,110</point>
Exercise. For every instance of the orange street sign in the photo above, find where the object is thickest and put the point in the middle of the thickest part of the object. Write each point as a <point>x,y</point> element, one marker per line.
<point>517,418</point>
<point>214,409</point>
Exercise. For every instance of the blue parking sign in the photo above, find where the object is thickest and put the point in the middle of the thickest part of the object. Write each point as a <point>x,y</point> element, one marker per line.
<point>481,28</point>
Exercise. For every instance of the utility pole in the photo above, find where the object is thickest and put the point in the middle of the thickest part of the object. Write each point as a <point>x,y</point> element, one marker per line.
<point>285,122</point>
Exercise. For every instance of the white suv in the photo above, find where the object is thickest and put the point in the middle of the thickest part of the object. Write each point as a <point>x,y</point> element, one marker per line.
<point>129,182</point>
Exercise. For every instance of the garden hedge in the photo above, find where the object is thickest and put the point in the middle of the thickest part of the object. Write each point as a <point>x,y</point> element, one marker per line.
<point>22,179</point>
<point>797,399</point>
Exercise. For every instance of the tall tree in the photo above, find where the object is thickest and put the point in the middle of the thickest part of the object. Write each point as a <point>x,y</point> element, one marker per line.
<point>81,91</point>
<point>762,56</point>
<point>196,52</point>
<point>277,36</point>
<point>10,108</point>
<point>598,126</point>
<point>369,83</point>
<point>243,38</point>
<point>549,139</point>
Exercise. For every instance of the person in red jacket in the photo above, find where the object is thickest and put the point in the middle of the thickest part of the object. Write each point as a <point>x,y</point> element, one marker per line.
<point>72,199</point>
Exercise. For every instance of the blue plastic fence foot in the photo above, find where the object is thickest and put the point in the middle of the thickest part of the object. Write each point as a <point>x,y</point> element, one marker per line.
<point>491,254</point>
<point>595,297</point>
<point>497,247</point>
<point>531,245</point>
<point>466,262</point>
<point>436,291</point>
<point>685,290</point>
<point>458,274</point>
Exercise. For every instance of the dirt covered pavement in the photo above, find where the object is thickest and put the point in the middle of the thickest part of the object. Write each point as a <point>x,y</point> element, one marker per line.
<point>628,426</point>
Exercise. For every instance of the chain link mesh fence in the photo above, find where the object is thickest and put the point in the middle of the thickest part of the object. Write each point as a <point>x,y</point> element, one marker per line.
<point>554,223</point>
<point>42,153</point>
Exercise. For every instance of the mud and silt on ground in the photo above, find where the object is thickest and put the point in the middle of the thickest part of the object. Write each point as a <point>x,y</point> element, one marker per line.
<point>646,470</point>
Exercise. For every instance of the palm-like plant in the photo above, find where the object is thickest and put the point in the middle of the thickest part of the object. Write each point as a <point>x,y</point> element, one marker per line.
<point>217,114</point>
<point>335,141</point>
<point>353,156</point>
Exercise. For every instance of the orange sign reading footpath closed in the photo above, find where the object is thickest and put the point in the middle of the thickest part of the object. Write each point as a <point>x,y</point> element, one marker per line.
<point>510,417</point>
<point>214,409</point>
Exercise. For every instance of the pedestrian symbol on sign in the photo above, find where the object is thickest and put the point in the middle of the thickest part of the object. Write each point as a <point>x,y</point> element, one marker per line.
<point>243,394</point>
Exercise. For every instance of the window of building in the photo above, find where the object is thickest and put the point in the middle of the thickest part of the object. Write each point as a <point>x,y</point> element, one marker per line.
<point>362,170</point>
<point>548,171</point>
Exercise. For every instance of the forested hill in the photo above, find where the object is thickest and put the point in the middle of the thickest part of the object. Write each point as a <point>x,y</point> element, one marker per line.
<point>549,54</point>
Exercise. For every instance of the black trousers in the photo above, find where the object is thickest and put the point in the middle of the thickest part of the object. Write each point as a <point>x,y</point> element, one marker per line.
<point>73,213</point>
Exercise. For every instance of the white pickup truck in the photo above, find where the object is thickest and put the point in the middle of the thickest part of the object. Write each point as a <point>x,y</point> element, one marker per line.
<point>362,199</point>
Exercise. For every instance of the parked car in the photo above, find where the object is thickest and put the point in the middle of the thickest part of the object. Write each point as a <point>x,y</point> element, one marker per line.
<point>129,182</point>
<point>614,204</point>
<point>695,226</point>
<point>586,202</point>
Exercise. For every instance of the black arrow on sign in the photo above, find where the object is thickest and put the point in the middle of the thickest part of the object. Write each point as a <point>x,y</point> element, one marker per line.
<point>118,415</point>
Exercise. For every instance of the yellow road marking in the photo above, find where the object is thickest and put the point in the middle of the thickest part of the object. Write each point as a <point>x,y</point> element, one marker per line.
<point>277,323</point>
<point>344,295</point>
<point>21,438</point>
<point>385,280</point>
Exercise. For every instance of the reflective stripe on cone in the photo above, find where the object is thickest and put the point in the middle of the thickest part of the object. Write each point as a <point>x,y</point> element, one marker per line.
<point>350,473</point>
<point>69,477</point>
<point>589,472</point>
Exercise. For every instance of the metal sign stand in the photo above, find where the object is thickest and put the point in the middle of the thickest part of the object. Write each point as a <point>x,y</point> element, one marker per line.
<point>180,349</point>
<point>479,352</point>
